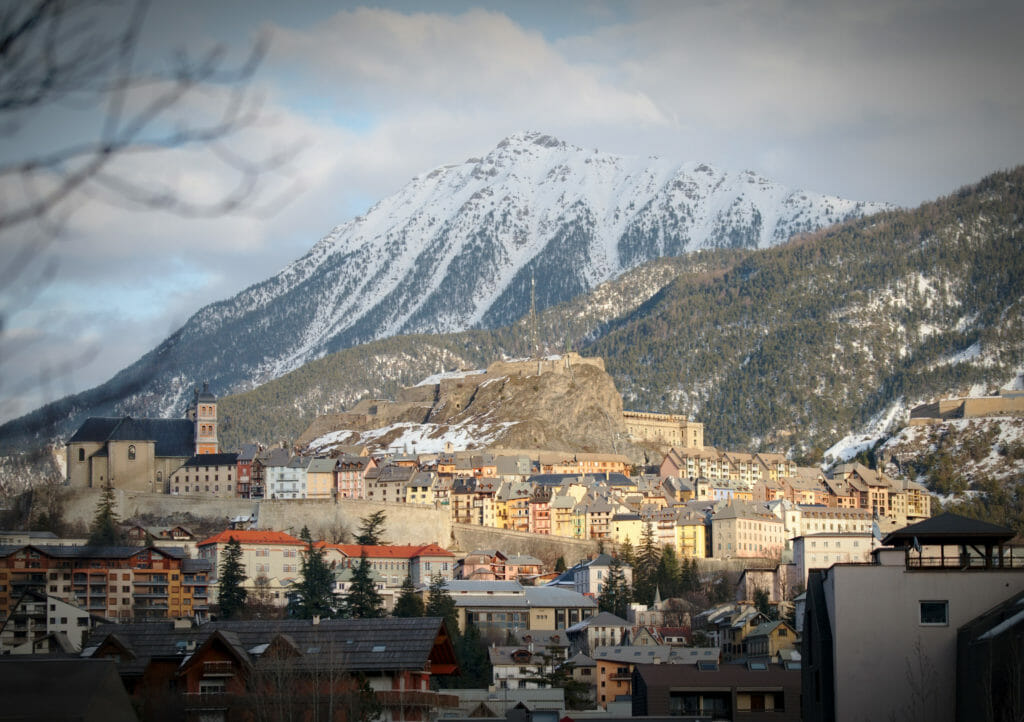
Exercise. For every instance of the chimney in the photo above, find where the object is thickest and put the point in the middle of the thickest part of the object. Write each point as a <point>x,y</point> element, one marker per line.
<point>316,619</point>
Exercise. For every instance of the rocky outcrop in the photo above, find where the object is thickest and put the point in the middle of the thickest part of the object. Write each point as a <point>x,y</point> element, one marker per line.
<point>563,403</point>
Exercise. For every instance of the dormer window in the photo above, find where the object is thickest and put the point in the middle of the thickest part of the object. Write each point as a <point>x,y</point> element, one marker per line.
<point>131,452</point>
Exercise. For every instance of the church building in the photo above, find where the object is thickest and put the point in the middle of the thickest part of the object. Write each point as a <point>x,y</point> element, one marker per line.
<point>141,454</point>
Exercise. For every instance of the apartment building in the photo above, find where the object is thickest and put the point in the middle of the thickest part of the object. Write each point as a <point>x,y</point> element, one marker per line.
<point>823,549</point>
<point>746,529</point>
<point>207,475</point>
<point>121,583</point>
<point>272,556</point>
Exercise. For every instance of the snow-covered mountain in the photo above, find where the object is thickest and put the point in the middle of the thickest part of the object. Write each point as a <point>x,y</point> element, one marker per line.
<point>461,247</point>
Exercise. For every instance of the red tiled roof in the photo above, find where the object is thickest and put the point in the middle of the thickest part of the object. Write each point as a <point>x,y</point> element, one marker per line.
<point>387,551</point>
<point>246,536</point>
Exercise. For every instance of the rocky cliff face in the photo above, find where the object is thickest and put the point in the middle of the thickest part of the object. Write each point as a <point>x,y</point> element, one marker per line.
<point>564,403</point>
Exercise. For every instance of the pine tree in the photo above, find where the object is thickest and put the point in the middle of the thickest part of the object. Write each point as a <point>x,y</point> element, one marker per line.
<point>371,529</point>
<point>560,565</point>
<point>615,595</point>
<point>645,571</point>
<point>231,595</point>
<point>363,601</point>
<point>689,576</point>
<point>409,603</point>
<point>441,604</point>
<point>626,553</point>
<point>668,578</point>
<point>105,529</point>
<point>474,660</point>
<point>315,591</point>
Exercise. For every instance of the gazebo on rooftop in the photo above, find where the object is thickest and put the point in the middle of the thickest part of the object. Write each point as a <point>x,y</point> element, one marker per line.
<point>980,545</point>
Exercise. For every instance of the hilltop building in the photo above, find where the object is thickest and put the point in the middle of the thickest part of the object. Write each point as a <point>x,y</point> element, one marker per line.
<point>667,429</point>
<point>1009,402</point>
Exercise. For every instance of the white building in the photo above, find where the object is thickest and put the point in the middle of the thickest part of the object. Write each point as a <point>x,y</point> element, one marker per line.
<point>822,550</point>
<point>881,639</point>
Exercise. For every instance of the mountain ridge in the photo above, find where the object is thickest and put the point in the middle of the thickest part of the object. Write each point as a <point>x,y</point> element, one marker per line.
<point>788,348</point>
<point>467,245</point>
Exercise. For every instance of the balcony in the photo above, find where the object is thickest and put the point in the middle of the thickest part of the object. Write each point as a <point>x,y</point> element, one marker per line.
<point>966,562</point>
<point>398,699</point>
<point>218,669</point>
<point>35,580</point>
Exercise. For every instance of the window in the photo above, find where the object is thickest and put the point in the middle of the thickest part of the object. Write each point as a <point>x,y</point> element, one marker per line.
<point>81,454</point>
<point>935,613</point>
<point>131,452</point>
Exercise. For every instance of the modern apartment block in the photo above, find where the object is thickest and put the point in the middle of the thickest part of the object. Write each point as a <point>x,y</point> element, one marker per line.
<point>891,627</point>
<point>121,583</point>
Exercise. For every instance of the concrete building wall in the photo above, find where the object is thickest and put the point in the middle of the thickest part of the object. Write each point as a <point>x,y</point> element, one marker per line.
<point>882,651</point>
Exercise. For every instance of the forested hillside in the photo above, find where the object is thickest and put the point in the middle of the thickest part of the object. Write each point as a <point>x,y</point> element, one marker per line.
<point>800,343</point>
<point>785,348</point>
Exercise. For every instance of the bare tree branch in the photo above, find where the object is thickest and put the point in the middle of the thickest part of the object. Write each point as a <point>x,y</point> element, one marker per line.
<point>85,58</point>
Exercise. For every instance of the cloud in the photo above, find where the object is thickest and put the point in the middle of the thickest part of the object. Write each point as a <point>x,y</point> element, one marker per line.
<point>477,64</point>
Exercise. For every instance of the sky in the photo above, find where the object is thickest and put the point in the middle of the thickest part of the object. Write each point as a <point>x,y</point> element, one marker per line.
<point>890,100</point>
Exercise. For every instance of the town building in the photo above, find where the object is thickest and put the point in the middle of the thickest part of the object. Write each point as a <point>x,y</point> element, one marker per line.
<point>823,549</point>
<point>615,666</point>
<point>351,475</point>
<point>140,454</point>
<point>928,581</point>
<point>706,690</point>
<point>500,608</point>
<point>40,624</point>
<point>665,429</point>
<point>601,630</point>
<point>122,583</point>
<point>272,560</point>
<point>294,668</point>
<point>746,530</point>
<point>207,475</point>
<point>589,577</point>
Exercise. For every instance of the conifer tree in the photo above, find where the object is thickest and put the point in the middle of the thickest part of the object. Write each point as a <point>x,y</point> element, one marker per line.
<point>371,529</point>
<point>615,595</point>
<point>231,595</point>
<point>441,604</point>
<point>474,660</point>
<point>409,603</point>
<point>105,529</point>
<point>316,588</point>
<point>668,578</point>
<point>626,553</point>
<point>645,571</point>
<point>363,601</point>
<point>689,575</point>
<point>560,565</point>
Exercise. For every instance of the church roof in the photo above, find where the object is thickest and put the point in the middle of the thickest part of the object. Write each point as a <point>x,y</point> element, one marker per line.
<point>171,437</point>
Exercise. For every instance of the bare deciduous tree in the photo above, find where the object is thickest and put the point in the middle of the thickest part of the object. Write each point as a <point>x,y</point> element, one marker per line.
<point>86,61</point>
